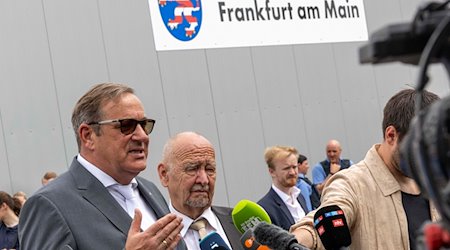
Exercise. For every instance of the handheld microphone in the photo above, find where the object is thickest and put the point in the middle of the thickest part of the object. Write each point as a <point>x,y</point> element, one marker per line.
<point>213,241</point>
<point>249,242</point>
<point>433,236</point>
<point>332,227</point>
<point>247,214</point>
<point>276,237</point>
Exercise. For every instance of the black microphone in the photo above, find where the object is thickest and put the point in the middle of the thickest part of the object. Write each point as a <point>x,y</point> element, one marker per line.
<point>276,237</point>
<point>332,227</point>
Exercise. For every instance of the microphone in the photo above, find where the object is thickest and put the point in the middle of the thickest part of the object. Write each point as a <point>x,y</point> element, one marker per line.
<point>332,227</point>
<point>433,237</point>
<point>249,242</point>
<point>247,214</point>
<point>276,237</point>
<point>213,241</point>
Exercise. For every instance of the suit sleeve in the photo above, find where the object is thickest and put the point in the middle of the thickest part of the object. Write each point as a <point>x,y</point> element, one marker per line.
<point>42,226</point>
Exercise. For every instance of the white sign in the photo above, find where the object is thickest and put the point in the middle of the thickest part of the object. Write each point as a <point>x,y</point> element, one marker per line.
<point>202,24</point>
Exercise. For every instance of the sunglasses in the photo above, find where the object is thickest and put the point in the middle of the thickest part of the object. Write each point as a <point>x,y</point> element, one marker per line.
<point>128,126</point>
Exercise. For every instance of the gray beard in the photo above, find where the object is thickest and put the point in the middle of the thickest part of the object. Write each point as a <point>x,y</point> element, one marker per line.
<point>198,203</point>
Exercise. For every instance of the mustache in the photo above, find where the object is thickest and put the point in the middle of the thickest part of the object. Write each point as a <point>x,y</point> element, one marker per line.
<point>199,187</point>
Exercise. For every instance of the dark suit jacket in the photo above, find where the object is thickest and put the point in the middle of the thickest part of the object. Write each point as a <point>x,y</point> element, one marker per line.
<point>278,211</point>
<point>224,216</point>
<point>76,210</point>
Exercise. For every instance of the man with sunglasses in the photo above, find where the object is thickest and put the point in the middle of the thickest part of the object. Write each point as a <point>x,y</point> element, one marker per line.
<point>100,202</point>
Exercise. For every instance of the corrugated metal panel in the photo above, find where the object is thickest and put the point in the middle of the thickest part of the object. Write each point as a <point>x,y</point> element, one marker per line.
<point>242,99</point>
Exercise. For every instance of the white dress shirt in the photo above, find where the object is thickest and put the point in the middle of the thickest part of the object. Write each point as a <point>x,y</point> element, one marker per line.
<point>291,202</point>
<point>191,236</point>
<point>148,216</point>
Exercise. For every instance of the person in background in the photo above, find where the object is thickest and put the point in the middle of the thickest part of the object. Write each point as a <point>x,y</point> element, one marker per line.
<point>21,196</point>
<point>101,202</point>
<point>382,206</point>
<point>188,171</point>
<point>48,176</point>
<point>284,203</point>
<point>9,221</point>
<point>307,188</point>
<point>323,170</point>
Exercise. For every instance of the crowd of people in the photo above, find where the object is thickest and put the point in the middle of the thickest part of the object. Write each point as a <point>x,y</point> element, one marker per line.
<point>103,188</point>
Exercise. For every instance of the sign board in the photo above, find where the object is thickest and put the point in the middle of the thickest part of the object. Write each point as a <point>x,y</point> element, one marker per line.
<point>202,24</point>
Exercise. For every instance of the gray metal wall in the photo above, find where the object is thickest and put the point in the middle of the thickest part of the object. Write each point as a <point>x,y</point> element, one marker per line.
<point>242,99</point>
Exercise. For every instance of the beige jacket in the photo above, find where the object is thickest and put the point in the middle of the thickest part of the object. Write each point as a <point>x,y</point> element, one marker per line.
<point>371,200</point>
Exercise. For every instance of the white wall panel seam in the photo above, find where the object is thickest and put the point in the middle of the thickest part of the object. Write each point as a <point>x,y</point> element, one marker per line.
<point>163,95</point>
<point>217,128</point>
<point>341,96</point>
<point>103,40</point>
<point>6,152</point>
<point>58,106</point>
<point>258,102</point>
<point>301,101</point>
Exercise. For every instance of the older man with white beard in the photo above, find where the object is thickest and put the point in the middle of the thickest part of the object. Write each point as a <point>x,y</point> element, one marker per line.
<point>188,171</point>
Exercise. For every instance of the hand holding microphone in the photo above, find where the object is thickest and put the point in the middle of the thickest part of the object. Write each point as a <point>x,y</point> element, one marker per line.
<point>332,227</point>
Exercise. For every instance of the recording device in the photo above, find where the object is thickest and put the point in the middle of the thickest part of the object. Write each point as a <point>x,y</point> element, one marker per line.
<point>332,227</point>
<point>404,42</point>
<point>213,241</point>
<point>425,150</point>
<point>246,215</point>
<point>249,242</point>
<point>276,237</point>
<point>434,237</point>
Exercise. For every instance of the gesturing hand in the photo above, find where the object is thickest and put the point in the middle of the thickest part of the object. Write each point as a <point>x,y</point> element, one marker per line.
<point>163,234</point>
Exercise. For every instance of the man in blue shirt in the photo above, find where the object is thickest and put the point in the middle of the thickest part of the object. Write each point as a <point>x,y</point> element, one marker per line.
<point>325,169</point>
<point>305,185</point>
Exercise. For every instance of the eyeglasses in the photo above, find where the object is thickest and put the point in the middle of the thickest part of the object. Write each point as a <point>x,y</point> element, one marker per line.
<point>128,126</point>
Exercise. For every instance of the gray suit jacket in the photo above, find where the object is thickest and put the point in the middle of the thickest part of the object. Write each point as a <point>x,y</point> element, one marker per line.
<point>233,235</point>
<point>75,211</point>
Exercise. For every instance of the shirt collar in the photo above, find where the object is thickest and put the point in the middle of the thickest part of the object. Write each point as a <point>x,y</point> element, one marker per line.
<point>207,214</point>
<point>295,191</point>
<point>103,177</point>
<point>380,172</point>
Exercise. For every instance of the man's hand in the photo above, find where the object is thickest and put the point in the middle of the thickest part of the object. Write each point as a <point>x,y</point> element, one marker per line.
<point>163,234</point>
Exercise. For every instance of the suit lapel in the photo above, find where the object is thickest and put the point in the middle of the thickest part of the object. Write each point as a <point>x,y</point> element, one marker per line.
<point>226,221</point>
<point>146,193</point>
<point>282,206</point>
<point>302,202</point>
<point>95,193</point>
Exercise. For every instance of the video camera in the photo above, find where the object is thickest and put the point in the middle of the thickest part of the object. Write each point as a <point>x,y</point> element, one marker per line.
<point>425,150</point>
<point>405,42</point>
